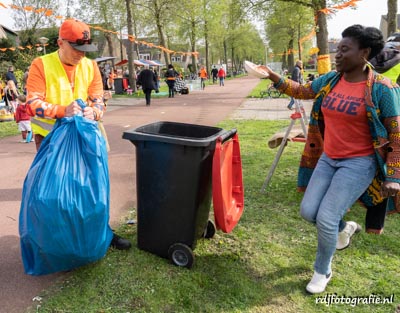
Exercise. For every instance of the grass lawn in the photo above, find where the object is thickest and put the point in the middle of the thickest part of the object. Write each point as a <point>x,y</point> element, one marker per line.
<point>262,266</point>
<point>8,129</point>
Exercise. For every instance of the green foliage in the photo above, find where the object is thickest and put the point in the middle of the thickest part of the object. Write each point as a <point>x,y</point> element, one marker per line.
<point>7,57</point>
<point>287,22</point>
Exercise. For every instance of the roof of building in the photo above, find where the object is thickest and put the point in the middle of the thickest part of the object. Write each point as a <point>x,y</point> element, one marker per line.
<point>7,30</point>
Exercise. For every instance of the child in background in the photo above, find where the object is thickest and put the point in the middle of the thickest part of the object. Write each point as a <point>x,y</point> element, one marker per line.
<point>23,120</point>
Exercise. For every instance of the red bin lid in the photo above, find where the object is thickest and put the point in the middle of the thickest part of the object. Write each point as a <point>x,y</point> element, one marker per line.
<point>227,184</point>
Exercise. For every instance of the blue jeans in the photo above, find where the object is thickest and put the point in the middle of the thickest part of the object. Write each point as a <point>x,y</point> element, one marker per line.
<point>290,105</point>
<point>333,188</point>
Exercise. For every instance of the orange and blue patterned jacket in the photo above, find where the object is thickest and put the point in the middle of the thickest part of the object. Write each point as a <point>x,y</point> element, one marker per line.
<point>383,112</point>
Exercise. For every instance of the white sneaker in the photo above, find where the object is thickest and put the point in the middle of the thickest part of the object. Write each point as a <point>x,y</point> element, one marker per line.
<point>318,283</point>
<point>344,237</point>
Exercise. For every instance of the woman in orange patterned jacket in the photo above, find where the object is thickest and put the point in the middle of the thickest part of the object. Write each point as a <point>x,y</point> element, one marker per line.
<point>353,143</point>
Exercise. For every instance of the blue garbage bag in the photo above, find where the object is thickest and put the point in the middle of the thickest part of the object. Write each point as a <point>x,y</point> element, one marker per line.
<point>64,215</point>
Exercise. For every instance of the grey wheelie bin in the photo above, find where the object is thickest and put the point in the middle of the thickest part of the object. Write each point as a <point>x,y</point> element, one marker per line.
<point>173,182</point>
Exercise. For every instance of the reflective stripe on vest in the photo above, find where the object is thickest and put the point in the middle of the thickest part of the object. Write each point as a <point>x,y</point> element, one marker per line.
<point>58,87</point>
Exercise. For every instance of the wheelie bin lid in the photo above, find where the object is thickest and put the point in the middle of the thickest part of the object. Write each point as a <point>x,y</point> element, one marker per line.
<point>175,133</point>
<point>227,183</point>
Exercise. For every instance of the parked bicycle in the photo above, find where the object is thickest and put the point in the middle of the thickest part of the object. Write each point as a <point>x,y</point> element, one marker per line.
<point>271,92</point>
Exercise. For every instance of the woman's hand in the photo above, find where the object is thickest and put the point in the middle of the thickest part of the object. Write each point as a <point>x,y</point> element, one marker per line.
<point>389,189</point>
<point>269,73</point>
<point>264,69</point>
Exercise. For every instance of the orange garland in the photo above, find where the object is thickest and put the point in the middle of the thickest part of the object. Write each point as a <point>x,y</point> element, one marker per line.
<point>49,12</point>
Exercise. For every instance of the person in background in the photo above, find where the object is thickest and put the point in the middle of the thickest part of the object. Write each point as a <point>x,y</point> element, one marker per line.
<point>335,169</point>
<point>297,76</point>
<point>126,73</point>
<point>387,63</point>
<point>221,76</point>
<point>69,76</point>
<point>2,86</point>
<point>203,77</point>
<point>170,77</point>
<point>10,96</point>
<point>157,79</point>
<point>110,80</point>
<point>10,76</point>
<point>214,73</point>
<point>104,78</point>
<point>24,80</point>
<point>23,119</point>
<point>148,80</point>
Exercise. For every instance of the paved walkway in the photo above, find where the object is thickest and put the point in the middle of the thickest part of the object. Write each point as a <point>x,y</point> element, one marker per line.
<point>207,107</point>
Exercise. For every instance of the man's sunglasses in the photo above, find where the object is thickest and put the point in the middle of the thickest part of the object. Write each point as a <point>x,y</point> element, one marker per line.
<point>81,42</point>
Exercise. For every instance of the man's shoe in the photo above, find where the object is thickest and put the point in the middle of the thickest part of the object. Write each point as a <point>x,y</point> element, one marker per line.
<point>120,243</point>
<point>344,237</point>
<point>318,283</point>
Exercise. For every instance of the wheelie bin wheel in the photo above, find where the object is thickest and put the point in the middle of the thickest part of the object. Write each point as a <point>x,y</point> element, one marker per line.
<point>181,255</point>
<point>209,232</point>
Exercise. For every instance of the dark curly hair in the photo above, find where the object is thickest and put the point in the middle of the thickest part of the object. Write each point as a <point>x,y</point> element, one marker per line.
<point>367,37</point>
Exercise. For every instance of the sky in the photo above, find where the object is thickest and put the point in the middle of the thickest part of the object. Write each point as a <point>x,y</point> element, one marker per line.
<point>5,15</point>
<point>368,13</point>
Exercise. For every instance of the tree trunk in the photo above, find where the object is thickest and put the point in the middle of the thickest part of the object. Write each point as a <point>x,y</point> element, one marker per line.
<point>135,46</point>
<point>298,41</point>
<point>232,59</point>
<point>206,44</point>
<point>225,53</point>
<point>109,43</point>
<point>193,44</point>
<point>391,17</point>
<point>285,64</point>
<point>290,56</point>
<point>132,77</point>
<point>194,58</point>
<point>160,30</point>
<point>324,64</point>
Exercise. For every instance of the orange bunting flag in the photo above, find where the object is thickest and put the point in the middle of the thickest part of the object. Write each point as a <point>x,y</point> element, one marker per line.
<point>49,12</point>
<point>351,3</point>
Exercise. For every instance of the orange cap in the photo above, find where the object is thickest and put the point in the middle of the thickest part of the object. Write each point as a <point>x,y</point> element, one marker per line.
<point>77,34</point>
